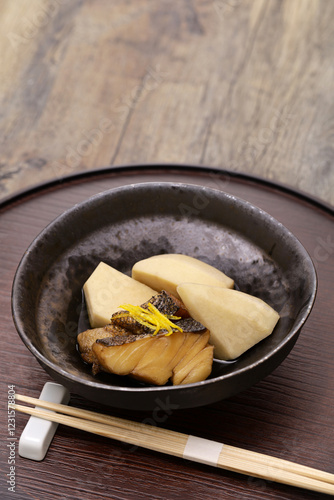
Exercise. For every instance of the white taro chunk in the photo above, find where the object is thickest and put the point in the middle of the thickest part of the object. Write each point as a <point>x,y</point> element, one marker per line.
<point>167,271</point>
<point>236,321</point>
<point>106,289</point>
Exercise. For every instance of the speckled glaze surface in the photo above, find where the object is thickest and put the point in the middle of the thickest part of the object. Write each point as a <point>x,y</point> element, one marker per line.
<point>126,224</point>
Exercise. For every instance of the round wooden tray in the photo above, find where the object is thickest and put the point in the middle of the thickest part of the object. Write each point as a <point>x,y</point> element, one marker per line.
<point>289,414</point>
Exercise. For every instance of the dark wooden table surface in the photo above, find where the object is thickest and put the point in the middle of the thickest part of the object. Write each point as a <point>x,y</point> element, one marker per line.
<point>239,85</point>
<point>289,414</point>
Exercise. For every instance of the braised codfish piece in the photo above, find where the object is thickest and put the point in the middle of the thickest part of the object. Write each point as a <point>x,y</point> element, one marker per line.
<point>153,343</point>
<point>155,359</point>
<point>125,324</point>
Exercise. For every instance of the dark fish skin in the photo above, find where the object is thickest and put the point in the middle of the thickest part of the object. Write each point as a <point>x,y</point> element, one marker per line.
<point>163,301</point>
<point>128,323</point>
<point>168,304</point>
<point>190,325</point>
<point>121,339</point>
<point>187,325</point>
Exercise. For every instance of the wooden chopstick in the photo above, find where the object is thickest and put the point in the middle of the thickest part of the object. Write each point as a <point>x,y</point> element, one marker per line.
<point>231,451</point>
<point>174,443</point>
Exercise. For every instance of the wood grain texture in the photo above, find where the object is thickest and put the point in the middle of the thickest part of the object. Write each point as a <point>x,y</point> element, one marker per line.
<point>289,414</point>
<point>245,85</point>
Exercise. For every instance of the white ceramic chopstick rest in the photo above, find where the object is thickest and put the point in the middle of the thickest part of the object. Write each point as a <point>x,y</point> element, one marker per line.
<point>38,433</point>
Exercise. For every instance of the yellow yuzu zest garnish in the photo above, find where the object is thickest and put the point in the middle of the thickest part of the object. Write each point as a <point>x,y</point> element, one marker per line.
<point>151,318</point>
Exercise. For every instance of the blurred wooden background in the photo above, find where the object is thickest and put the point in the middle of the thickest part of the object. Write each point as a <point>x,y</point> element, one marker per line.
<point>245,85</point>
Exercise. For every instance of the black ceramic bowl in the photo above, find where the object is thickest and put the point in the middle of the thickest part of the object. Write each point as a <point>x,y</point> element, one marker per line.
<point>124,225</point>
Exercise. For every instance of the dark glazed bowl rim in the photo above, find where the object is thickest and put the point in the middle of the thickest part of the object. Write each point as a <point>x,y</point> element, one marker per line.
<point>50,366</point>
